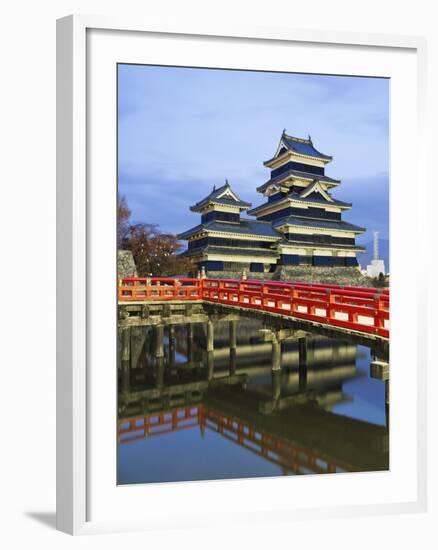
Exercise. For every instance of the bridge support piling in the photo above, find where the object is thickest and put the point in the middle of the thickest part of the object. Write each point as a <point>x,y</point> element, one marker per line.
<point>159,341</point>
<point>387,403</point>
<point>172,345</point>
<point>159,354</point>
<point>379,369</point>
<point>210,336</point>
<point>210,350</point>
<point>126,358</point>
<point>159,367</point>
<point>276,385</point>
<point>233,346</point>
<point>233,365</point>
<point>189,342</point>
<point>233,334</point>
<point>276,354</point>
<point>210,365</point>
<point>302,364</point>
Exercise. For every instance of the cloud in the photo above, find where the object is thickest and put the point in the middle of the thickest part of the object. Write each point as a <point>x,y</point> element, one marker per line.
<point>181,131</point>
<point>370,198</point>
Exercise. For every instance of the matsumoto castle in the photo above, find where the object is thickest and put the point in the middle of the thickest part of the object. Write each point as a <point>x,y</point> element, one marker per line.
<point>298,224</point>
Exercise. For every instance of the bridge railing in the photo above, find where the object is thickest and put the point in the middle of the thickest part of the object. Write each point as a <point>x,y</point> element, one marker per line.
<point>139,289</point>
<point>361,309</point>
<point>355,308</point>
<point>159,423</point>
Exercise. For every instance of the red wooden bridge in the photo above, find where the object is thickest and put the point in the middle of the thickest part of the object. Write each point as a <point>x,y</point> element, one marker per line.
<point>359,309</point>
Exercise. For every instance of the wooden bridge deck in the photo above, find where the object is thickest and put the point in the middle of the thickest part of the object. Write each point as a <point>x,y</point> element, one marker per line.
<point>360,313</point>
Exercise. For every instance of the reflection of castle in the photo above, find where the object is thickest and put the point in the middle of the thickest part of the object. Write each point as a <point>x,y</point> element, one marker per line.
<point>300,224</point>
<point>234,388</point>
<point>302,438</point>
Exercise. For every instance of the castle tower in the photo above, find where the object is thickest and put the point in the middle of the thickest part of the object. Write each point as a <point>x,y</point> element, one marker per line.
<point>299,205</point>
<point>224,241</point>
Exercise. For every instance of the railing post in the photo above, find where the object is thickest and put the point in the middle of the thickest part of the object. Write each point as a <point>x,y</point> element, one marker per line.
<point>331,300</point>
<point>295,296</point>
<point>378,307</point>
<point>200,285</point>
<point>258,294</point>
<point>119,288</point>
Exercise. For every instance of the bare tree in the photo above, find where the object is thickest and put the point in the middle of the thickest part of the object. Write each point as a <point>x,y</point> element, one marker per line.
<point>155,253</point>
<point>123,217</point>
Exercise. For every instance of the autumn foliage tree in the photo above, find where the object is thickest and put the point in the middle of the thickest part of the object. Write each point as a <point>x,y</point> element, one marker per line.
<point>155,253</point>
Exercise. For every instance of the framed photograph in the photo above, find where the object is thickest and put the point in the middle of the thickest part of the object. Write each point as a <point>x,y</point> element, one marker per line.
<point>238,225</point>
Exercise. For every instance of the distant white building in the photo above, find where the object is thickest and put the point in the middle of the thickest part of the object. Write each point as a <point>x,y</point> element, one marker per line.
<point>377,266</point>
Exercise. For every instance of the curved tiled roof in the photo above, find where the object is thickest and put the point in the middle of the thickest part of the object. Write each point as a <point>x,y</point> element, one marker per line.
<point>215,197</point>
<point>296,174</point>
<point>302,146</point>
<point>308,244</point>
<point>246,227</point>
<point>316,198</point>
<point>323,224</point>
<point>212,249</point>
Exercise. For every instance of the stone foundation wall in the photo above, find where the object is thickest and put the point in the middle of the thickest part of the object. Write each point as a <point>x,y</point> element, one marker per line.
<point>125,264</point>
<point>238,275</point>
<point>349,276</point>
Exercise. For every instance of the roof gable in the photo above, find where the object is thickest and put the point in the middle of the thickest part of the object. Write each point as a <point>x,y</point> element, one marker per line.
<point>297,175</point>
<point>227,193</point>
<point>301,146</point>
<point>223,195</point>
<point>314,189</point>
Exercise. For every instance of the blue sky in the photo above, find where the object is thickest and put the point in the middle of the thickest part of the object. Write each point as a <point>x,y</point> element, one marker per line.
<point>183,130</point>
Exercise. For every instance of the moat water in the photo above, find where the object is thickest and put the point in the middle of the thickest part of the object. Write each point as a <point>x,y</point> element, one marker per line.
<point>198,415</point>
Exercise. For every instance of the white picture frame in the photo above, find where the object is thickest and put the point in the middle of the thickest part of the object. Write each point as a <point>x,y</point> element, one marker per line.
<point>76,215</point>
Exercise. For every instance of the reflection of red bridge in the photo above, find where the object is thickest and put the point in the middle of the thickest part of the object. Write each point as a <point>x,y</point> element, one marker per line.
<point>132,429</point>
<point>278,450</point>
<point>364,310</point>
